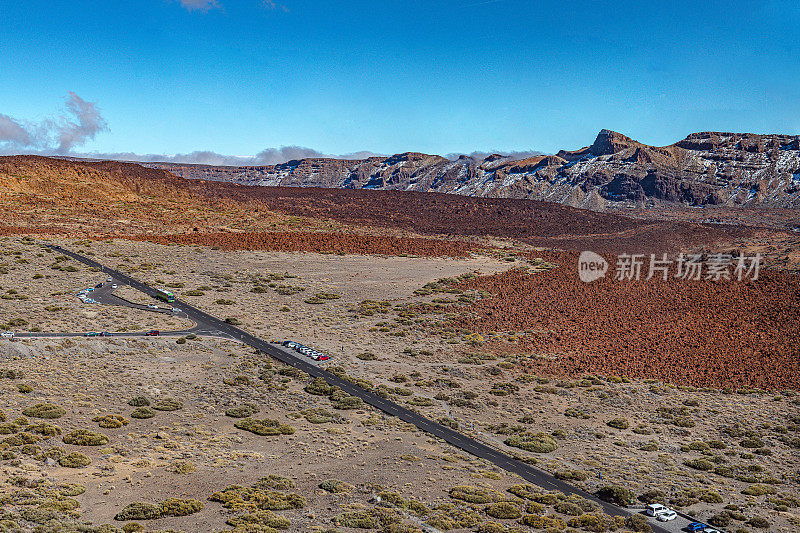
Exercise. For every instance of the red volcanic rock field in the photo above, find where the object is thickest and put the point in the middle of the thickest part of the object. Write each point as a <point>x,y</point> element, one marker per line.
<point>345,243</point>
<point>701,333</point>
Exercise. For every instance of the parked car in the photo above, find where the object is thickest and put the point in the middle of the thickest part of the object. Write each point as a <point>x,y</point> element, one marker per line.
<point>176,310</point>
<point>114,286</point>
<point>696,526</point>
<point>104,334</point>
<point>711,530</point>
<point>667,516</point>
<point>98,285</point>
<point>91,334</point>
<point>7,334</point>
<point>152,306</point>
<point>109,280</point>
<point>655,509</point>
<point>152,333</point>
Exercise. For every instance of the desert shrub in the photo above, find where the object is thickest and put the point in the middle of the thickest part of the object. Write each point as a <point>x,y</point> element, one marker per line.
<point>615,494</point>
<point>448,516</point>
<point>503,510</point>
<point>251,498</point>
<point>242,411</point>
<point>180,340</point>
<point>536,443</point>
<point>168,404</point>
<point>44,410</point>
<point>179,507</point>
<point>759,489</point>
<point>543,522</point>
<point>183,467</point>
<point>336,486</point>
<point>319,416</point>
<point>651,496</point>
<point>20,439</point>
<point>139,401</point>
<point>572,475</point>
<point>275,482</point>
<point>111,421</point>
<point>360,518</point>
<point>24,388</point>
<point>348,402</point>
<point>568,508</point>
<point>420,401</point>
<point>700,464</point>
<point>367,356</point>
<point>524,491</point>
<point>143,413</point>
<point>259,521</point>
<point>264,426</point>
<point>593,522</point>
<point>319,387</point>
<point>759,522</point>
<point>45,429</point>
<point>638,523</point>
<point>618,423</point>
<point>74,460</point>
<point>84,437</point>
<point>752,442</point>
<point>471,494</point>
<point>139,511</point>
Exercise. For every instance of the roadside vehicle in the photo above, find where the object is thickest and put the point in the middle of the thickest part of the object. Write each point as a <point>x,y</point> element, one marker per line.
<point>152,333</point>
<point>165,296</point>
<point>696,526</point>
<point>114,286</point>
<point>98,285</point>
<point>104,334</point>
<point>711,530</point>
<point>667,516</point>
<point>91,334</point>
<point>109,280</point>
<point>152,306</point>
<point>7,334</point>
<point>654,509</point>
<point>176,310</point>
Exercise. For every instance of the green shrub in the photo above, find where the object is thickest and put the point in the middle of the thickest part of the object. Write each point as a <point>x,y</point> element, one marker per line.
<point>44,410</point>
<point>111,421</point>
<point>84,437</point>
<point>700,464</point>
<point>471,494</point>
<point>759,489</point>
<point>536,443</point>
<point>503,510</point>
<point>618,423</point>
<point>336,486</point>
<point>264,426</point>
<point>242,411</point>
<point>179,507</point>
<point>139,511</point>
<point>616,494</point>
<point>143,413</point>
<point>168,404</point>
<point>139,401</point>
<point>74,460</point>
<point>259,521</point>
<point>45,429</point>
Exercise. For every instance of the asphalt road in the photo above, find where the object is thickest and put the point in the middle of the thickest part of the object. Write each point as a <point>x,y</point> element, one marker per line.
<point>217,327</point>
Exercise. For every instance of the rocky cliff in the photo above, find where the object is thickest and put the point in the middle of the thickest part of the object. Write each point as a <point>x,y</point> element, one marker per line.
<point>709,168</point>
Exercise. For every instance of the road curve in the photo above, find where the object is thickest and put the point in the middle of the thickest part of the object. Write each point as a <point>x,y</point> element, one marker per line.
<point>468,444</point>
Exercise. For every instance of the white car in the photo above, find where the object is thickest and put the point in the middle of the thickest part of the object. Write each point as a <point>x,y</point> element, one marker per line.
<point>114,286</point>
<point>152,306</point>
<point>666,516</point>
<point>711,530</point>
<point>176,310</point>
<point>7,334</point>
<point>655,509</point>
<point>109,280</point>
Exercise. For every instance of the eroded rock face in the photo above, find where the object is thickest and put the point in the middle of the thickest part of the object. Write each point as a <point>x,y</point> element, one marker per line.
<point>707,168</point>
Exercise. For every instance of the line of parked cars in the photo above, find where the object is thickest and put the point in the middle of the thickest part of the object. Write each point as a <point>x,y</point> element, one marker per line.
<point>662,513</point>
<point>84,296</point>
<point>305,350</point>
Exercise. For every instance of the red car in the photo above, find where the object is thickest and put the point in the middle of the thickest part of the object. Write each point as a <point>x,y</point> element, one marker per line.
<point>152,333</point>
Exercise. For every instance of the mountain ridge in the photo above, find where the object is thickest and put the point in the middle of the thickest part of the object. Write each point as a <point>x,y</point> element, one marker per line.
<point>705,168</point>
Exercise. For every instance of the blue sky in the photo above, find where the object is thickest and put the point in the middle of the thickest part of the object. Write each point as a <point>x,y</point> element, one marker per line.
<point>241,76</point>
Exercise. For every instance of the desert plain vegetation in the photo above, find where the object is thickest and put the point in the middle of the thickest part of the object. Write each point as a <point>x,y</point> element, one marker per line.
<point>490,334</point>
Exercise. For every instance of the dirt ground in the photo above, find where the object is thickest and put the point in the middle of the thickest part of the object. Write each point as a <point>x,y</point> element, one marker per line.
<point>741,448</point>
